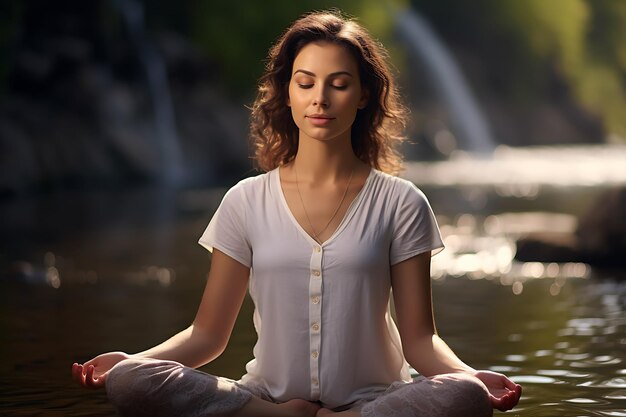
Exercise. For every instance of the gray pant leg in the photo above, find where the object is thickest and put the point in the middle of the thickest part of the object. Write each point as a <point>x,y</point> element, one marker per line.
<point>147,387</point>
<point>449,395</point>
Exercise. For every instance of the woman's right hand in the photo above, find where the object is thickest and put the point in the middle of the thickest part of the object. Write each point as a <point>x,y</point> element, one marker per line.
<point>93,373</point>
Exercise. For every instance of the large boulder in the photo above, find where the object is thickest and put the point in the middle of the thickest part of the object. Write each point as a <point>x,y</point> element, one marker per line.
<point>601,233</point>
<point>600,238</point>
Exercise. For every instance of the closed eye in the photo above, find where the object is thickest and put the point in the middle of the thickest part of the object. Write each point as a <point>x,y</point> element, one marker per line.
<point>305,86</point>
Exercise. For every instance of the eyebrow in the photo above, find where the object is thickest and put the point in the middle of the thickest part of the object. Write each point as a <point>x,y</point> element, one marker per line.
<point>312,74</point>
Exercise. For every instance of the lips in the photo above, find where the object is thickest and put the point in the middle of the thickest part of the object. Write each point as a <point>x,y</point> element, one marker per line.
<point>320,116</point>
<point>320,119</point>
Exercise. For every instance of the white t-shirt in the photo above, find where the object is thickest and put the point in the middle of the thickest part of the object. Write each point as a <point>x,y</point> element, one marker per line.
<point>322,311</point>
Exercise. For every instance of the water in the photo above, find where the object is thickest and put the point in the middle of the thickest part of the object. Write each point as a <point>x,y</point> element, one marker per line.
<point>164,129</point>
<point>434,58</point>
<point>86,273</point>
<point>566,350</point>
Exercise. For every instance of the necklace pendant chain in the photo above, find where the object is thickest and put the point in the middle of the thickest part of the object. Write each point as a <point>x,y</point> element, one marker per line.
<point>306,214</point>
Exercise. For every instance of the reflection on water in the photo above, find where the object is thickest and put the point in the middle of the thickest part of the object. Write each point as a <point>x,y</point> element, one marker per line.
<point>566,350</point>
<point>83,274</point>
<point>484,248</point>
<point>521,171</point>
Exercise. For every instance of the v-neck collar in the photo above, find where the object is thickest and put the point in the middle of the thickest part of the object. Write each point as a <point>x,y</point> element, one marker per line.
<point>346,218</point>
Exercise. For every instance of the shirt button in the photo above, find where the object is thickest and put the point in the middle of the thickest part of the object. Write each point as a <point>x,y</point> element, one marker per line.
<point>314,354</point>
<point>316,273</point>
<point>315,326</point>
<point>315,299</point>
<point>318,249</point>
<point>315,381</point>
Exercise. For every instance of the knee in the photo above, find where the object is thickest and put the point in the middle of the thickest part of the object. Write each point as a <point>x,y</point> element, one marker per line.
<point>132,382</point>
<point>468,395</point>
<point>123,377</point>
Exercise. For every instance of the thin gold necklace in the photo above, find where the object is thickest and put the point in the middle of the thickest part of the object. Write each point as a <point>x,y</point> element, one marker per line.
<point>315,234</point>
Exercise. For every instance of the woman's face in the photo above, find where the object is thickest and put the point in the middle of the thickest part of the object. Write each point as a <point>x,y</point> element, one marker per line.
<point>325,91</point>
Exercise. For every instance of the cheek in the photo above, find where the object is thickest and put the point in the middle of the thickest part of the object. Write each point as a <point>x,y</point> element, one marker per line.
<point>297,104</point>
<point>295,94</point>
<point>350,105</point>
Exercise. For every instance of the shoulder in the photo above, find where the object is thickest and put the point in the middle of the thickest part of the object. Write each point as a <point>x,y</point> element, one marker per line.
<point>399,189</point>
<point>248,187</point>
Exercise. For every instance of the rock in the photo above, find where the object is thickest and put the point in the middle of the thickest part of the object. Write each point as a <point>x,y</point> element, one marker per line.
<point>599,240</point>
<point>547,248</point>
<point>79,111</point>
<point>601,232</point>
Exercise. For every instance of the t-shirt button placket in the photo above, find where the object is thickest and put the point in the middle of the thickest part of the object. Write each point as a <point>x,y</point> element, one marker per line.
<point>315,317</point>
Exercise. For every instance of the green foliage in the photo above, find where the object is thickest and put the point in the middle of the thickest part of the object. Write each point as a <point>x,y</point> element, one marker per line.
<point>608,31</point>
<point>525,42</point>
<point>601,83</point>
<point>238,34</point>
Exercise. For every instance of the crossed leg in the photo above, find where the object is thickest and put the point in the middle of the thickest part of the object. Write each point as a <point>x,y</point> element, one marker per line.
<point>448,395</point>
<point>145,387</point>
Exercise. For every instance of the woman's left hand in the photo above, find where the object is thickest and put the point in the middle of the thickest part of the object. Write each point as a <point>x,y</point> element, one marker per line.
<point>503,393</point>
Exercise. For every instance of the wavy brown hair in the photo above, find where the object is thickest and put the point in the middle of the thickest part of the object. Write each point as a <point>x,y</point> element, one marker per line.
<point>378,127</point>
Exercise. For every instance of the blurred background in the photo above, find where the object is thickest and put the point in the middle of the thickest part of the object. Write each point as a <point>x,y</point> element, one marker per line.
<point>122,124</point>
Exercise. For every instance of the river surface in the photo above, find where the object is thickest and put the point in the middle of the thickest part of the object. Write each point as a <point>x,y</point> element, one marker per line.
<point>83,273</point>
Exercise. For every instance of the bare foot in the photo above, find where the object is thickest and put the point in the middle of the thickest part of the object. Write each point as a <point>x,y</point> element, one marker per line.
<point>300,408</point>
<point>323,412</point>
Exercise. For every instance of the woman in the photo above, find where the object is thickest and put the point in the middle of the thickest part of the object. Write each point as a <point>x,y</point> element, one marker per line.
<point>320,239</point>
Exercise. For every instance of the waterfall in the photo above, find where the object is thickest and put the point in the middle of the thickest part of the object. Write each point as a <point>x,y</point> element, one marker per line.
<point>470,125</point>
<point>165,133</point>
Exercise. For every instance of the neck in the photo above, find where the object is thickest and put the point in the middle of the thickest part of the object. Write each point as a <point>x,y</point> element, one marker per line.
<point>325,161</point>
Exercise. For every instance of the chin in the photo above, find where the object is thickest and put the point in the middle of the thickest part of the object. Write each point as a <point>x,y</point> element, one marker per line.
<point>324,136</point>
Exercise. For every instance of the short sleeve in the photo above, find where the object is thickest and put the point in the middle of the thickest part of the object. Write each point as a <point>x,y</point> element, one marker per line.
<point>415,228</point>
<point>227,229</point>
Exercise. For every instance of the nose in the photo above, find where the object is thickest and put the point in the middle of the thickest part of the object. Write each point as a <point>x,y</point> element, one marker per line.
<point>320,98</point>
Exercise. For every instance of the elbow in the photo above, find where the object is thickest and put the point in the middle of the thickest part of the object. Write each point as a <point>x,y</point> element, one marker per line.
<point>212,344</point>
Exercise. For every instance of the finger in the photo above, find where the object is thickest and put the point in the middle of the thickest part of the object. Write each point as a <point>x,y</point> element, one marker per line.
<point>513,397</point>
<point>75,371</point>
<point>509,384</point>
<point>517,396</point>
<point>503,403</point>
<point>89,381</point>
<point>78,373</point>
<point>510,400</point>
<point>93,380</point>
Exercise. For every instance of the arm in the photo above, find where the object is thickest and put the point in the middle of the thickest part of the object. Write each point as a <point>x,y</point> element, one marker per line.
<point>204,340</point>
<point>210,331</point>
<point>423,348</point>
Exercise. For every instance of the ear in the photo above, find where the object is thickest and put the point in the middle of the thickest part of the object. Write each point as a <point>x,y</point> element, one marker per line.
<point>365,96</point>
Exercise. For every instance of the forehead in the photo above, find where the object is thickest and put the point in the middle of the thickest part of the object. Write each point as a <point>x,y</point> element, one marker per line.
<point>325,58</point>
